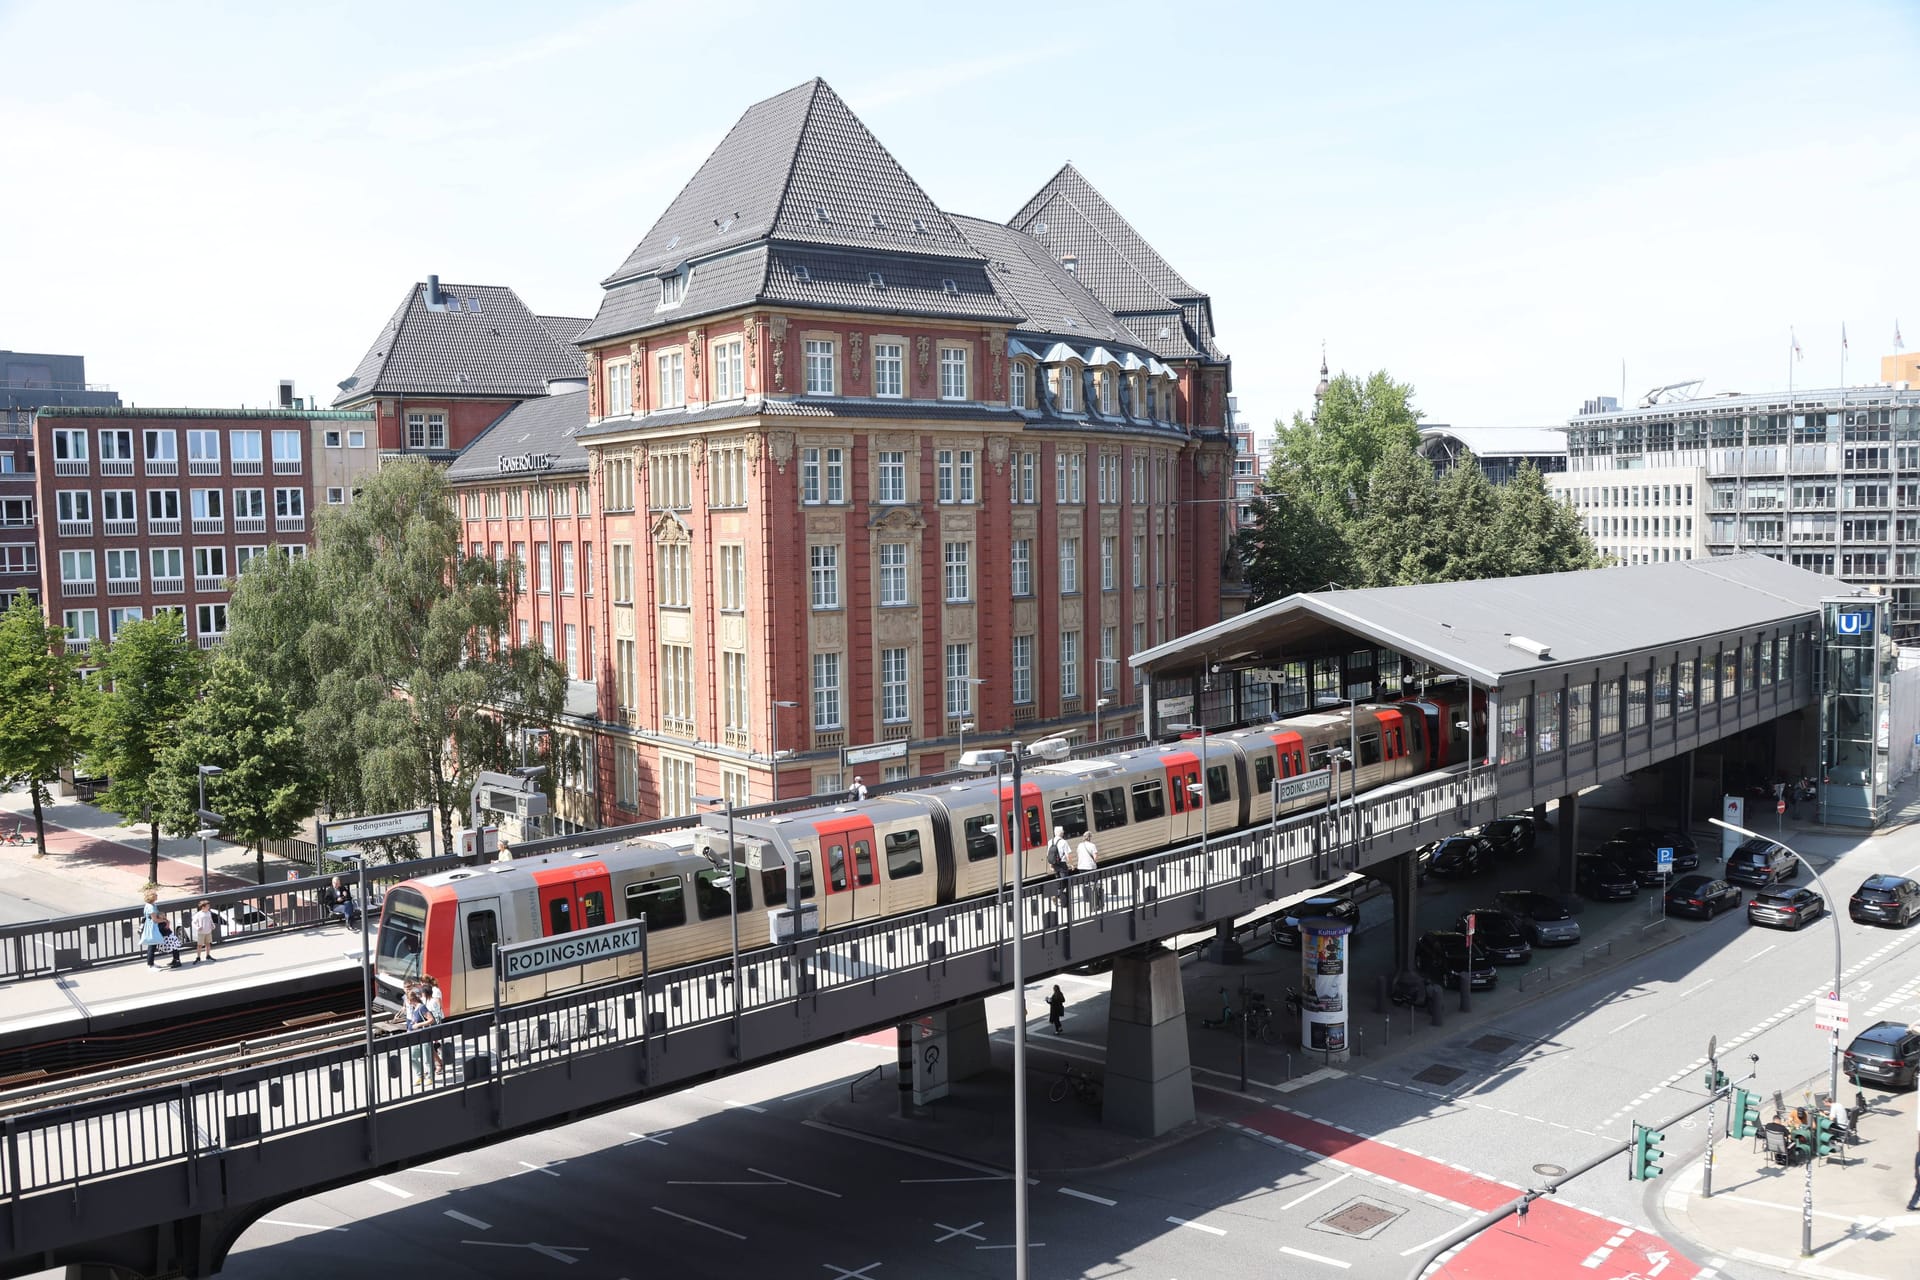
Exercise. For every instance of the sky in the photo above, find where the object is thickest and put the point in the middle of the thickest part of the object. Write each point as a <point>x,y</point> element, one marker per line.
<point>1513,207</point>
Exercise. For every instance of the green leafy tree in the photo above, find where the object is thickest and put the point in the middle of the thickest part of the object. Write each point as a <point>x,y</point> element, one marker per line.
<point>1397,539</point>
<point>1467,508</point>
<point>247,728</point>
<point>38,693</point>
<point>1540,533</point>
<point>1290,547</point>
<point>394,649</point>
<point>130,713</point>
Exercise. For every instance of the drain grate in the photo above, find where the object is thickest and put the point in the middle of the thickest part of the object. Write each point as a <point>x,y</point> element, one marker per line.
<point>1439,1075</point>
<point>1361,1218</point>
<point>1493,1044</point>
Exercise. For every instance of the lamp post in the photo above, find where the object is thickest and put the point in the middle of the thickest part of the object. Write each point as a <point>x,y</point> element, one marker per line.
<point>733,908</point>
<point>1097,704</point>
<point>990,761</point>
<point>359,860</point>
<point>209,820</point>
<point>1106,686</point>
<point>1833,1076</point>
<point>964,726</point>
<point>773,751</point>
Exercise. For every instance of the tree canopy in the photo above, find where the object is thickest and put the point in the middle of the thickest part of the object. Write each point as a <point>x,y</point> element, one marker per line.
<point>391,643</point>
<point>39,690</point>
<point>1349,501</point>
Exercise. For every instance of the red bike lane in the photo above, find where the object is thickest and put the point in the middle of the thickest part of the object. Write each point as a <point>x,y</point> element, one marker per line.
<point>1552,1240</point>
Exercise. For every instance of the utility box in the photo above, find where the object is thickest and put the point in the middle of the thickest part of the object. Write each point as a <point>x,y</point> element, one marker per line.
<point>480,844</point>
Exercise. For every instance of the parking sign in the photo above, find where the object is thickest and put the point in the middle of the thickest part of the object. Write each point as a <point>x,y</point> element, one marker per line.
<point>1665,858</point>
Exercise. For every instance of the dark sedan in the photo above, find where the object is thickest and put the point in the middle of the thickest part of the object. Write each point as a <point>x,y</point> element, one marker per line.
<point>1442,956</point>
<point>1639,860</point>
<point>1893,900</point>
<point>1458,857</point>
<point>1603,879</point>
<point>1703,897</point>
<point>1545,917</point>
<point>1510,837</point>
<point>1785,908</point>
<point>1498,934</point>
<point>1686,857</point>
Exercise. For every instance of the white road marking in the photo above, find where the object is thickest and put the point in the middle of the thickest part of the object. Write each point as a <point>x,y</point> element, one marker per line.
<point>558,1252</point>
<point>1315,1257</point>
<point>1087,1195</point>
<point>1304,1196</point>
<point>390,1189</point>
<point>301,1226</point>
<point>696,1222</point>
<point>966,1231</point>
<point>745,1106</point>
<point>1629,1022</point>
<point>445,1173</point>
<point>475,1223</point>
<point>1762,951</point>
<point>790,1182</point>
<point>658,1139</point>
<point>1427,1244</point>
<point>1690,990</point>
<point>534,1168</point>
<point>824,1127</point>
<point>859,1273</point>
<point>1197,1226</point>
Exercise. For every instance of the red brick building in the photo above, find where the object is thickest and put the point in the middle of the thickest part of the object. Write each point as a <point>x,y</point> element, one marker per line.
<point>924,477</point>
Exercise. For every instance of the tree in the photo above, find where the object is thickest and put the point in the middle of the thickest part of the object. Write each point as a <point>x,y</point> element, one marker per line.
<point>1467,507</point>
<point>38,692</point>
<point>1398,539</point>
<point>248,729</point>
<point>1290,547</point>
<point>393,644</point>
<point>130,712</point>
<point>1540,533</point>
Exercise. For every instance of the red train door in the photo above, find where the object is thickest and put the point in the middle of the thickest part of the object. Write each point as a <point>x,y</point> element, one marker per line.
<point>1183,806</point>
<point>850,870</point>
<point>1033,832</point>
<point>572,897</point>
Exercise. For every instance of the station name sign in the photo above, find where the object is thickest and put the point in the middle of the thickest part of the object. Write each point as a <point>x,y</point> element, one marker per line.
<point>583,947</point>
<point>528,462</point>
<point>1298,787</point>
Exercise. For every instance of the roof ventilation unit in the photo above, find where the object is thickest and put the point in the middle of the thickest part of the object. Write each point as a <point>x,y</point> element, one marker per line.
<point>877,280</point>
<point>1071,262</point>
<point>1533,647</point>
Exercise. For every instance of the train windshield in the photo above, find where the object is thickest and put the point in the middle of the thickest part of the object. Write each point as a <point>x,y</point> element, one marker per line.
<point>402,924</point>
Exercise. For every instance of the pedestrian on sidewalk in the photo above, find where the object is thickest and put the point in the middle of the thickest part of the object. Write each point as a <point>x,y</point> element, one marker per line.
<point>150,936</point>
<point>1057,1008</point>
<point>203,931</point>
<point>1913,1201</point>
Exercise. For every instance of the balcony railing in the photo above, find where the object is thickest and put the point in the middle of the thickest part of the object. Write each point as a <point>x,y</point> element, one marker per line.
<point>169,586</point>
<point>289,524</point>
<point>249,524</point>
<point>123,586</point>
<point>286,466</point>
<point>829,738</point>
<point>209,582</point>
<point>244,466</point>
<point>120,528</point>
<point>76,588</point>
<point>69,466</point>
<point>163,466</point>
<point>209,524</point>
<point>116,466</point>
<point>211,641</point>
<point>203,466</point>
<point>736,738</point>
<point>76,528</point>
<point>168,528</point>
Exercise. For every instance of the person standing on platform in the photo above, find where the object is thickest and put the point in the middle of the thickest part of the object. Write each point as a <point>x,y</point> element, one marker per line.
<point>857,792</point>
<point>1060,855</point>
<point>150,936</point>
<point>203,931</point>
<point>1086,860</point>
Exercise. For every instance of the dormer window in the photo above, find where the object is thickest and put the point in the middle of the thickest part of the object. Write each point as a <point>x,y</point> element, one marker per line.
<point>801,273</point>
<point>1017,384</point>
<point>877,280</point>
<point>1068,401</point>
<point>673,288</point>
<point>1107,392</point>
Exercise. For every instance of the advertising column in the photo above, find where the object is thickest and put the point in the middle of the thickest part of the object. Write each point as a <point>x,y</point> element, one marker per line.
<point>1323,986</point>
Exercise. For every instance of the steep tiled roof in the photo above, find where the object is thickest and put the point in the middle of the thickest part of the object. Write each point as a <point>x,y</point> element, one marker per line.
<point>481,340</point>
<point>714,284</point>
<point>798,166</point>
<point>907,285</point>
<point>1037,287</point>
<point>543,425</point>
<point>564,328</point>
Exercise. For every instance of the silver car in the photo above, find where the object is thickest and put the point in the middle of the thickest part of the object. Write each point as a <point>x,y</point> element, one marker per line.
<point>1544,917</point>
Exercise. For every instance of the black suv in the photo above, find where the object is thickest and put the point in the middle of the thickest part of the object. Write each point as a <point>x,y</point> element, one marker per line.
<point>1602,878</point>
<point>1442,956</point>
<point>1286,929</point>
<point>1686,857</point>
<point>1458,857</point>
<point>1893,900</point>
<point>1510,837</point>
<point>1762,862</point>
<point>1886,1053</point>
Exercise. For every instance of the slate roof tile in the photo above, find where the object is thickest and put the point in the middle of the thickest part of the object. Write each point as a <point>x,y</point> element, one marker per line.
<point>483,341</point>
<point>544,424</point>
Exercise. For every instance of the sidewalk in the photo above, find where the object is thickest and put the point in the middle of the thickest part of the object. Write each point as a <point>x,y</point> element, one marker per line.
<point>1754,1214</point>
<point>95,863</point>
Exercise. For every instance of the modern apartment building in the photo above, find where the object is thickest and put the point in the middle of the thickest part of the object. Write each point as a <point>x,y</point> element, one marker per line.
<point>1647,515</point>
<point>28,381</point>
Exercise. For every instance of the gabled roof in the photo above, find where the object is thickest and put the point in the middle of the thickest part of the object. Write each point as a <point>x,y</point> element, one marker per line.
<point>476,340</point>
<point>564,328</point>
<point>545,425</point>
<point>1037,287</point>
<point>799,166</point>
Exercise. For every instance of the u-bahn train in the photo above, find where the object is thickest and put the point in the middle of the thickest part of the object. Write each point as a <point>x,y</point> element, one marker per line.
<point>887,855</point>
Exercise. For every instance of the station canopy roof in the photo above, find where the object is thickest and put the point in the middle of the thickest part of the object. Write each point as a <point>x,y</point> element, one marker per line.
<point>1470,628</point>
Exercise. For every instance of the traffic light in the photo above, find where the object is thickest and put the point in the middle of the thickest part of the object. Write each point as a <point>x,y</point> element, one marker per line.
<point>1823,1137</point>
<point>1746,1114</point>
<point>1647,1153</point>
<point>1714,1081</point>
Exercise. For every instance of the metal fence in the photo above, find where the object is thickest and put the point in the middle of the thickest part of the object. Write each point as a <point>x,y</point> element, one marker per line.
<point>1139,901</point>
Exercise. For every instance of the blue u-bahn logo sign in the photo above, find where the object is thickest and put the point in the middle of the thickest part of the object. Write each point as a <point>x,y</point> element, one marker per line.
<point>1857,622</point>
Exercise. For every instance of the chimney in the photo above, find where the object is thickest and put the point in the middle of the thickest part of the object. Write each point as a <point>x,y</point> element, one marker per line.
<point>1071,263</point>
<point>286,393</point>
<point>433,291</point>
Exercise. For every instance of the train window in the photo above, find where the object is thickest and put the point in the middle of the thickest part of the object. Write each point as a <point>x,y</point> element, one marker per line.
<point>1070,815</point>
<point>1320,757</point>
<point>1035,837</point>
<point>1148,801</point>
<point>773,881</point>
<point>483,930</point>
<point>836,855</point>
<point>1218,792</point>
<point>1263,773</point>
<point>559,916</point>
<point>661,903</point>
<point>593,909</point>
<point>1369,749</point>
<point>1109,809</point>
<point>863,862</point>
<point>982,844</point>
<point>1179,794</point>
<point>1416,727</point>
<point>710,892</point>
<point>903,855</point>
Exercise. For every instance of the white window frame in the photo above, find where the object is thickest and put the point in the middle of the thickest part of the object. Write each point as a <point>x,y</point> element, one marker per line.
<point>827,714</point>
<point>959,669</point>
<point>896,686</point>
<point>957,572</point>
<point>895,582</point>
<point>1069,664</point>
<point>889,370</point>
<point>671,366</point>
<point>953,373</point>
<point>890,481</point>
<point>1021,665</point>
<point>1017,384</point>
<point>823,575</point>
<point>819,356</point>
<point>1021,567</point>
<point>1069,565</point>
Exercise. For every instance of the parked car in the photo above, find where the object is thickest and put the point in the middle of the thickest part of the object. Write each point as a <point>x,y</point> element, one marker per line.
<point>1511,837</point>
<point>1458,857</point>
<point>1786,908</point>
<point>1600,877</point>
<point>1640,861</point>
<point>1886,1053</point>
<point>1442,956</point>
<point>1686,856</point>
<point>1286,930</point>
<point>1893,900</point>
<point>243,919</point>
<point>1499,934</point>
<point>1701,896</point>
<point>1545,918</point>
<point>1762,863</point>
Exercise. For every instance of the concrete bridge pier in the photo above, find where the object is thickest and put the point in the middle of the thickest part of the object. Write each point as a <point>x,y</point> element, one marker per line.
<point>1682,766</point>
<point>1568,843</point>
<point>1149,1088</point>
<point>1402,876</point>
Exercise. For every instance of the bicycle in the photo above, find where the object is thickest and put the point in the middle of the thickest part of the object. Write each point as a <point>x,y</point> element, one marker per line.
<point>1077,1082</point>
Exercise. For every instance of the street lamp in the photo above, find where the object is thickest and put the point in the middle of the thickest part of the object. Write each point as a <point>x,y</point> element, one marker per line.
<point>733,905</point>
<point>773,753</point>
<point>1833,1078</point>
<point>990,762</point>
<point>964,726</point>
<point>1097,704</point>
<point>359,860</point>
<point>210,822</point>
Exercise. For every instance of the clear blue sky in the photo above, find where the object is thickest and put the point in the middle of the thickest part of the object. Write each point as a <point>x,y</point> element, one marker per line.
<point>1496,202</point>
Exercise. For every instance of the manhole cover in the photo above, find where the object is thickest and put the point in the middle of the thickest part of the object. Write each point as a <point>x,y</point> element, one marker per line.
<point>1549,1170</point>
<point>1439,1075</point>
<point>1362,1218</point>
<point>1492,1044</point>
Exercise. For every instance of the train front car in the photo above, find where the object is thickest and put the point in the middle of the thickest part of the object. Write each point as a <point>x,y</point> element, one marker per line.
<point>401,954</point>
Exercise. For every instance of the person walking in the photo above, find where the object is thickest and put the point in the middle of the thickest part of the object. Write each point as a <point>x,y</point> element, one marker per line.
<point>857,792</point>
<point>1086,859</point>
<point>203,931</point>
<point>150,936</point>
<point>1057,1008</point>
<point>417,1019</point>
<point>436,1014</point>
<point>1060,855</point>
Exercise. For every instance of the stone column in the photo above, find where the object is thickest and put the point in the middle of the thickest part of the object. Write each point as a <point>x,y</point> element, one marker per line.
<point>1569,836</point>
<point>1149,1088</point>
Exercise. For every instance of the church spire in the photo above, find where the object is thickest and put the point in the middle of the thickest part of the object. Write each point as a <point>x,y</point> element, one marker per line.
<point>1320,391</point>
